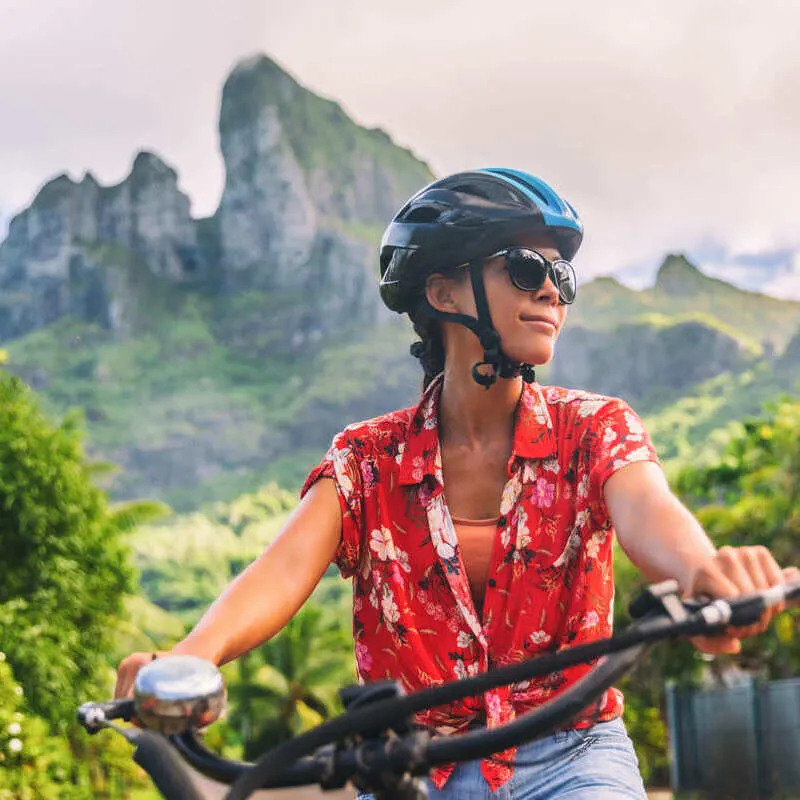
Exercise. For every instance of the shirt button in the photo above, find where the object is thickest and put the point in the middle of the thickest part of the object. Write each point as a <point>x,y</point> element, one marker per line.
<point>492,582</point>
<point>502,522</point>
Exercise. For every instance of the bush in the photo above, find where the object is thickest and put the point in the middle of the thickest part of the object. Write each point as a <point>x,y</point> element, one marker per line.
<point>64,569</point>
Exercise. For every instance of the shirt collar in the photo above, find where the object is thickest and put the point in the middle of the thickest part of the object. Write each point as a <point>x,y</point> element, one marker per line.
<point>533,433</point>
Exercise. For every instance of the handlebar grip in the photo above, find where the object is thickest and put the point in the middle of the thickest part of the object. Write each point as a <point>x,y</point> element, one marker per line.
<point>118,709</point>
<point>155,755</point>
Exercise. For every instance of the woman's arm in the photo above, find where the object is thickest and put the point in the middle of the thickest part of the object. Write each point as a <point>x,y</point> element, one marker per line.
<point>664,540</point>
<point>656,531</point>
<point>263,598</point>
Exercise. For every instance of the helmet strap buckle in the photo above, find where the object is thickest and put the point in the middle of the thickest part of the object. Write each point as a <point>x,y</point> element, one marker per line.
<point>487,380</point>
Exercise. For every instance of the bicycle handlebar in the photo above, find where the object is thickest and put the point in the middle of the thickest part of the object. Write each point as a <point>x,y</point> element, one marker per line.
<point>319,757</point>
<point>163,765</point>
<point>668,617</point>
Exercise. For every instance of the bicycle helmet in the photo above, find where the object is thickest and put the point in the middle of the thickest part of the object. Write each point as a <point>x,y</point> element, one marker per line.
<point>463,219</point>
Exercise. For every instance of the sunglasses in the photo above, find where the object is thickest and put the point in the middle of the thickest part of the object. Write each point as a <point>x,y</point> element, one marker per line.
<point>529,269</point>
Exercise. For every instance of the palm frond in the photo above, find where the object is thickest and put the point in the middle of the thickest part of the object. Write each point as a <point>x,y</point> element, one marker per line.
<point>130,514</point>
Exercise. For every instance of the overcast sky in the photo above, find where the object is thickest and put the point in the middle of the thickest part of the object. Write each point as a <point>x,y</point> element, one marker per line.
<point>669,125</point>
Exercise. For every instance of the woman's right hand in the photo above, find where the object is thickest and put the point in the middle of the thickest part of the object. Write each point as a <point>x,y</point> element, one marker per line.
<point>129,668</point>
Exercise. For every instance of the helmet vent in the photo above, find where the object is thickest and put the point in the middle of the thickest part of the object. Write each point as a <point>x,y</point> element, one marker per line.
<point>491,192</point>
<point>530,186</point>
<point>425,213</point>
<point>471,189</point>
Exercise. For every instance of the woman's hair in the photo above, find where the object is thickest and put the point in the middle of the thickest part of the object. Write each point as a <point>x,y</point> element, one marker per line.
<point>430,350</point>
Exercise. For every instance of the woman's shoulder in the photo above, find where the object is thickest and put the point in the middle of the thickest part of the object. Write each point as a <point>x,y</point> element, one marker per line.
<point>578,399</point>
<point>370,435</point>
<point>581,409</point>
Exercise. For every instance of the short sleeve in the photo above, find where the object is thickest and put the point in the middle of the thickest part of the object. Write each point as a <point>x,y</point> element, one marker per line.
<point>615,438</point>
<point>341,466</point>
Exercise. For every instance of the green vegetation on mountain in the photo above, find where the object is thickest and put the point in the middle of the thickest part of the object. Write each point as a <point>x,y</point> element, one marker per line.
<point>696,427</point>
<point>185,565</point>
<point>174,404</point>
<point>201,405</point>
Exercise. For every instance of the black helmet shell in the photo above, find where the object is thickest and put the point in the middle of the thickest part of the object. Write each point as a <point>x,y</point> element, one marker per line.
<point>464,217</point>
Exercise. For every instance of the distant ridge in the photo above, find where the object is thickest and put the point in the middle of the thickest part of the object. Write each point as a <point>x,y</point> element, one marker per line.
<point>682,288</point>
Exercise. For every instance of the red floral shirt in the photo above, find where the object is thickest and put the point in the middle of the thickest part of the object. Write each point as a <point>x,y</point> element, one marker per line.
<point>550,582</point>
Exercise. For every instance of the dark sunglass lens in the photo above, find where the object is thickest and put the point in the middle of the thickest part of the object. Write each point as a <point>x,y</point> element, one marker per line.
<point>565,281</point>
<point>527,270</point>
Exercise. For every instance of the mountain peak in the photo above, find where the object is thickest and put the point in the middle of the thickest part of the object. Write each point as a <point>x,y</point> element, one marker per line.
<point>679,276</point>
<point>89,179</point>
<point>55,192</point>
<point>677,263</point>
<point>256,63</point>
<point>254,83</point>
<point>150,170</point>
<point>148,162</point>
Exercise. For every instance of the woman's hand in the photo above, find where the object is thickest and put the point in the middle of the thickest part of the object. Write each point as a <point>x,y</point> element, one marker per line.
<point>734,571</point>
<point>129,668</point>
<point>664,540</point>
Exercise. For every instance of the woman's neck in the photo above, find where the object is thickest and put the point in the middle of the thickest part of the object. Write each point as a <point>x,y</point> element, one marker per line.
<point>470,415</point>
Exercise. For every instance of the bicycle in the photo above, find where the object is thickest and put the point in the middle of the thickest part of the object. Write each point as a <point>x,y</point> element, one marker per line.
<point>374,743</point>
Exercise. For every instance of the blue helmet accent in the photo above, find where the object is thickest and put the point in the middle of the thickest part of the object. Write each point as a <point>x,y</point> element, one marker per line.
<point>556,211</point>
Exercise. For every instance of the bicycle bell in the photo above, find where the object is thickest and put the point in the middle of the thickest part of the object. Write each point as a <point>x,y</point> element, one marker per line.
<point>176,693</point>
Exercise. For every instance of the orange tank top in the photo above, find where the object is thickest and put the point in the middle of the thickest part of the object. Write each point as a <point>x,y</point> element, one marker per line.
<point>476,540</point>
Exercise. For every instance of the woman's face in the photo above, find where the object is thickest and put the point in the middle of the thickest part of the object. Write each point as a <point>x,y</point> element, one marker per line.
<point>528,322</point>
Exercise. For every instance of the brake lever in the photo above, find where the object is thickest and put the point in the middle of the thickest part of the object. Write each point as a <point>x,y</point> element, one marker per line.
<point>92,715</point>
<point>661,597</point>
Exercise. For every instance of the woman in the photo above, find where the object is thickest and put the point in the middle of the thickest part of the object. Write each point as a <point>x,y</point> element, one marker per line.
<point>478,526</point>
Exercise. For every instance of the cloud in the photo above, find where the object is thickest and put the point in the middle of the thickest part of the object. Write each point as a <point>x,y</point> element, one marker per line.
<point>766,270</point>
<point>787,283</point>
<point>668,124</point>
<point>85,85</point>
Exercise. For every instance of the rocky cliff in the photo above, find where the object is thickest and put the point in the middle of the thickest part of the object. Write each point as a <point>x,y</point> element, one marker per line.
<point>306,194</point>
<point>51,264</point>
<point>636,360</point>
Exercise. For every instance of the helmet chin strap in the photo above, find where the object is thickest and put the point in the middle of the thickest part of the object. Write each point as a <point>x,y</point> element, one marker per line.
<point>500,366</point>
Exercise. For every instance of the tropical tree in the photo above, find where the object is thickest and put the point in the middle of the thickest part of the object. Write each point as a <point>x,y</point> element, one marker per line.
<point>291,683</point>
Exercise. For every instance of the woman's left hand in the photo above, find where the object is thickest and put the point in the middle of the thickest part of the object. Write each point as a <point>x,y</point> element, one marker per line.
<point>734,571</point>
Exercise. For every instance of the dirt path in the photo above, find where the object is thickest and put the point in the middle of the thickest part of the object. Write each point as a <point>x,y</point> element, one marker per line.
<point>215,791</point>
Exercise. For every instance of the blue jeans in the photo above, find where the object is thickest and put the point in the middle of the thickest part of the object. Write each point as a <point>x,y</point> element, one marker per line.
<point>594,764</point>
